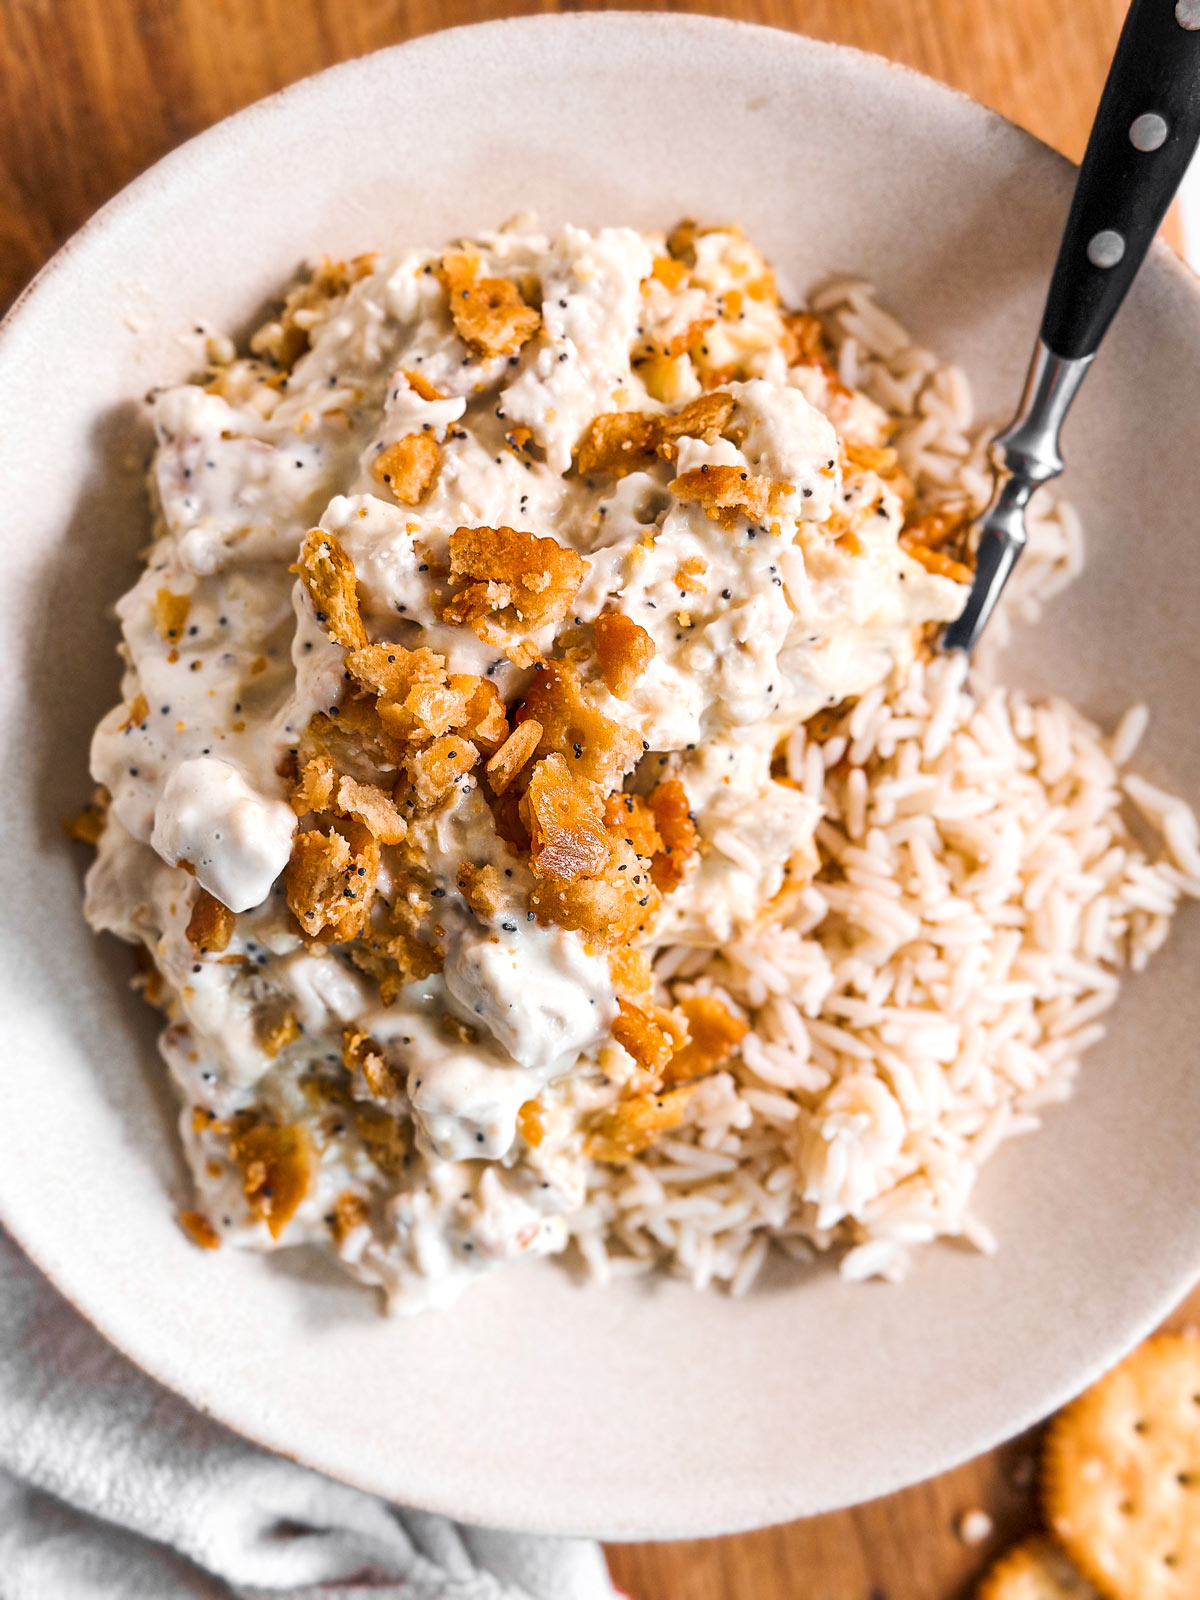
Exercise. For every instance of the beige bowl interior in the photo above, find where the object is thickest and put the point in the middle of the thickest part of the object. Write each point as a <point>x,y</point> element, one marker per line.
<point>647,1409</point>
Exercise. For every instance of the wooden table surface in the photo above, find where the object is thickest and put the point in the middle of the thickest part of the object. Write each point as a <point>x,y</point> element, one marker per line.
<point>93,91</point>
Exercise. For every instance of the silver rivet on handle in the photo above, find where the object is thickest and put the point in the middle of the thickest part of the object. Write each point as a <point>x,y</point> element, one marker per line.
<point>1148,131</point>
<point>1105,248</point>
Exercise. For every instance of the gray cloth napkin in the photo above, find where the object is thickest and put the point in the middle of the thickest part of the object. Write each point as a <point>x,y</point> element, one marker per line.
<point>111,1488</point>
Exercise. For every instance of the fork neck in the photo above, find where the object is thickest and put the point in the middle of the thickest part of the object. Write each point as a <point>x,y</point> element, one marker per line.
<point>1028,447</point>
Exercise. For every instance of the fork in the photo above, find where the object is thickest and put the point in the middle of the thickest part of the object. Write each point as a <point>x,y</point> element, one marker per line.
<point>1146,130</point>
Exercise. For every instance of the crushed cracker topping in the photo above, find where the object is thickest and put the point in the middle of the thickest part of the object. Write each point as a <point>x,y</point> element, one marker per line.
<point>714,1033</point>
<point>278,1167</point>
<point>512,755</point>
<point>624,650</point>
<point>725,493</point>
<point>565,817</point>
<point>488,313</point>
<point>327,573</point>
<point>331,881</point>
<point>651,1034</point>
<point>508,570</point>
<point>200,1230</point>
<point>210,926</point>
<point>673,819</point>
<point>592,744</point>
<point>633,1125</point>
<point>171,613</point>
<point>408,467</point>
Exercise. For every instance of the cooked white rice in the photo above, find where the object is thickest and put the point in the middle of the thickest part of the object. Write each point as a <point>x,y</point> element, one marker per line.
<point>937,985</point>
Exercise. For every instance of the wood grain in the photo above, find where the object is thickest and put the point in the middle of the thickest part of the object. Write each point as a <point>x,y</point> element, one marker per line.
<point>93,91</point>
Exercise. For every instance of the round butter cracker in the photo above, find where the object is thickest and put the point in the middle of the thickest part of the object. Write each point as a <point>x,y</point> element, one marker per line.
<point>1121,1475</point>
<point>1035,1570</point>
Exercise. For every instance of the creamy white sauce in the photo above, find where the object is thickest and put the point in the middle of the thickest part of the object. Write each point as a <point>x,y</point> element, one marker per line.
<point>755,626</point>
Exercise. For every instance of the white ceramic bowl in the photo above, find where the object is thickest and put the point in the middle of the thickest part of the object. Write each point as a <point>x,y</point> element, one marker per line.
<point>645,1409</point>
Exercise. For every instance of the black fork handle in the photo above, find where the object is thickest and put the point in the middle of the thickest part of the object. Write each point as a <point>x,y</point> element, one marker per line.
<point>1143,138</point>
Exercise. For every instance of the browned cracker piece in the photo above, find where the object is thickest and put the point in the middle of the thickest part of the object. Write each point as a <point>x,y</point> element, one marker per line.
<point>633,1125</point>
<point>488,313</point>
<point>714,1033</point>
<point>510,569</point>
<point>935,561</point>
<point>702,418</point>
<point>629,817</point>
<point>614,906</point>
<point>200,1230</point>
<point>1035,1570</point>
<point>724,492</point>
<point>87,826</point>
<point>1121,1475</point>
<point>435,768</point>
<point>624,650</point>
<point>331,879</point>
<point>483,888</point>
<point>513,754</point>
<point>376,810</point>
<point>651,1034</point>
<point>327,572</point>
<point>278,1166</point>
<point>804,341</point>
<point>592,744</point>
<point>677,831</point>
<point>210,926</point>
<point>170,613</point>
<point>408,467</point>
<point>390,671</point>
<point>565,817</point>
<point>620,442</point>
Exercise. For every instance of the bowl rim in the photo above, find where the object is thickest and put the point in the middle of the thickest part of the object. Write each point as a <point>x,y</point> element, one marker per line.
<point>130,1339</point>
